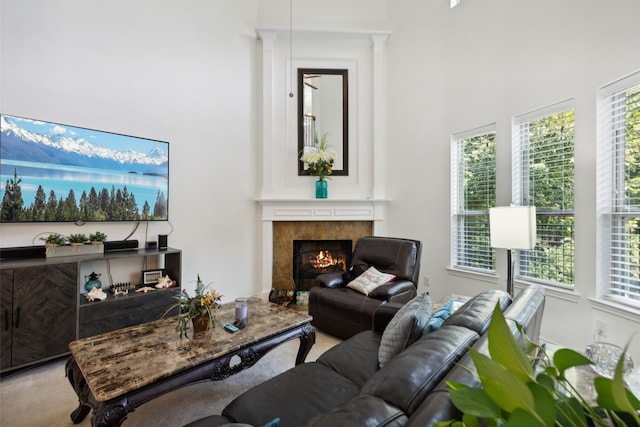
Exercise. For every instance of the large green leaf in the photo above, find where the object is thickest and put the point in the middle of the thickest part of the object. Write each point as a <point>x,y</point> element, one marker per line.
<point>505,350</point>
<point>522,418</point>
<point>507,390</point>
<point>472,401</point>
<point>565,358</point>
<point>545,380</point>
<point>570,412</point>
<point>469,421</point>
<point>545,405</point>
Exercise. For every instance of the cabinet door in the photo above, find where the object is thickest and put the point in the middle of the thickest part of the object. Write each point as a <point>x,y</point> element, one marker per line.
<point>45,311</point>
<point>6,306</point>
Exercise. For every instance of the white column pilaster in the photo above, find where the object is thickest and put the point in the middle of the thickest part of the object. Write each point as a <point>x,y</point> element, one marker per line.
<point>379,115</point>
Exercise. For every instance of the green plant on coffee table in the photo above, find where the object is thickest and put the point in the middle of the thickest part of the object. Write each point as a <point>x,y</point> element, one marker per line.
<point>97,237</point>
<point>77,238</point>
<point>54,239</point>
<point>206,302</point>
<point>514,393</point>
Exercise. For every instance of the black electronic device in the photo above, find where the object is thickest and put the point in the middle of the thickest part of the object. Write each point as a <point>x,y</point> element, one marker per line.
<point>23,252</point>
<point>120,245</point>
<point>40,156</point>
<point>162,241</point>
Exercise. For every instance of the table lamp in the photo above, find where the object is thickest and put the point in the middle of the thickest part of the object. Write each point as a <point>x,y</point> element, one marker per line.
<point>512,227</point>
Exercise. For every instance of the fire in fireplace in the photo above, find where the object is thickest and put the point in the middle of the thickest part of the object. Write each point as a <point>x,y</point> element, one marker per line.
<point>314,257</point>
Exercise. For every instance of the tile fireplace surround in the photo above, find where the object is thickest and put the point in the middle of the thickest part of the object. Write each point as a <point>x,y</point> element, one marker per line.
<point>354,218</point>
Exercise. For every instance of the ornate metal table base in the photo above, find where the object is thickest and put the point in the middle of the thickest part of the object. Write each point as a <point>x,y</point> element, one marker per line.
<point>113,412</point>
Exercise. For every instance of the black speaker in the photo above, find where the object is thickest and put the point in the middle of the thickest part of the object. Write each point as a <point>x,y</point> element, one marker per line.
<point>120,245</point>
<point>23,252</point>
<point>162,241</point>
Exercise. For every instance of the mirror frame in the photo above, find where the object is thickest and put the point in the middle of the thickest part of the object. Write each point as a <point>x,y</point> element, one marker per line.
<point>345,116</point>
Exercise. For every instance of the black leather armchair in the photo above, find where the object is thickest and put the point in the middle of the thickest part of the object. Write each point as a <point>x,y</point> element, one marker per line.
<point>342,311</point>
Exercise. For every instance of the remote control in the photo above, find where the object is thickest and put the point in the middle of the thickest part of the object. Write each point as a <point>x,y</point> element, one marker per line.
<point>230,328</point>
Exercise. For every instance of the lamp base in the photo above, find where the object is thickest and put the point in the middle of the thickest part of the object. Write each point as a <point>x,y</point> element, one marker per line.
<point>510,267</point>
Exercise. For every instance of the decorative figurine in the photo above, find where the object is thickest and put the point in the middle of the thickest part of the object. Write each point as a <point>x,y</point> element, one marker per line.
<point>96,294</point>
<point>93,281</point>
<point>165,282</point>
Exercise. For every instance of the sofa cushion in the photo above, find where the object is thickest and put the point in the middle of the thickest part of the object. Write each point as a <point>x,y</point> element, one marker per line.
<point>405,327</point>
<point>369,280</point>
<point>412,374</point>
<point>390,290</point>
<point>364,410</point>
<point>437,406</point>
<point>331,280</point>
<point>355,358</point>
<point>476,313</point>
<point>323,389</point>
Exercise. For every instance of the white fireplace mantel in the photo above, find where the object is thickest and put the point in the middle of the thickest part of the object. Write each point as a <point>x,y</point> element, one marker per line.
<point>279,209</point>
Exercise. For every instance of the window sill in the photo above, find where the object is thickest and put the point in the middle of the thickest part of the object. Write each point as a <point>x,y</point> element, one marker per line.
<point>472,274</point>
<point>609,306</point>
<point>556,292</point>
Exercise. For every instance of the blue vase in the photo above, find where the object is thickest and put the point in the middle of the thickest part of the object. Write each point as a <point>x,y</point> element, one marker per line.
<point>321,189</point>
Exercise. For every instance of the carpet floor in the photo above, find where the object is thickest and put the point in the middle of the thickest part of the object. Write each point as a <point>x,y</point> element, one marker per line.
<point>42,396</point>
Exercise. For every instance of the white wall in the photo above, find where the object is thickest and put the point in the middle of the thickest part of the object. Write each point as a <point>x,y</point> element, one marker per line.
<point>484,62</point>
<point>189,72</point>
<point>183,72</point>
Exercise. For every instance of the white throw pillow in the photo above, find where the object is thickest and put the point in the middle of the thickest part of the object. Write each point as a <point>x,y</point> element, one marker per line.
<point>369,280</point>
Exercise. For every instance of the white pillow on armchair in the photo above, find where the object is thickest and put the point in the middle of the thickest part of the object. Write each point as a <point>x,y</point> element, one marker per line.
<point>369,280</point>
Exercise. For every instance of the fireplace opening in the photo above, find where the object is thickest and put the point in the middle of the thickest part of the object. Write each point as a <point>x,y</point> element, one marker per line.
<point>314,257</point>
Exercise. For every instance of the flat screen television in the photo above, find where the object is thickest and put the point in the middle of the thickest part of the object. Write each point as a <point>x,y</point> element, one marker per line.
<point>52,172</point>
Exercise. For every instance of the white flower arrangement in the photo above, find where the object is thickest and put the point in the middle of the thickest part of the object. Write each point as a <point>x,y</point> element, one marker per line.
<point>319,160</point>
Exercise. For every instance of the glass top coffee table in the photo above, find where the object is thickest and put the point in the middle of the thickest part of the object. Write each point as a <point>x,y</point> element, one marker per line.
<point>115,372</point>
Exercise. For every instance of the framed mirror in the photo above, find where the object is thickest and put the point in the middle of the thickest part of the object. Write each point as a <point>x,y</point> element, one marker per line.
<point>323,109</point>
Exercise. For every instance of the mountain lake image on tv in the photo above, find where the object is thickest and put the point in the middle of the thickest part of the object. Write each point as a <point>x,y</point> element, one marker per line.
<point>52,172</point>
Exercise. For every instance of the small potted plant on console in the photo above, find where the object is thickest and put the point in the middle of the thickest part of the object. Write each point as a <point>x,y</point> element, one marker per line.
<point>53,240</point>
<point>97,238</point>
<point>76,241</point>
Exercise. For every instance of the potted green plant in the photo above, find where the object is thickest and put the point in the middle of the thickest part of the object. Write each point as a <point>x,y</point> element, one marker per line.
<point>77,239</point>
<point>97,238</point>
<point>514,393</point>
<point>52,241</point>
<point>198,311</point>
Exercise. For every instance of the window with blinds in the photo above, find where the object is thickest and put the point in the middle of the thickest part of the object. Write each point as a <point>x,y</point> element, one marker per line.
<point>473,192</point>
<point>618,174</point>
<point>543,176</point>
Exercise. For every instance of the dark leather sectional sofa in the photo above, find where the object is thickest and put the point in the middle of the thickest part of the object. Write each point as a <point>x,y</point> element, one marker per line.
<point>346,386</point>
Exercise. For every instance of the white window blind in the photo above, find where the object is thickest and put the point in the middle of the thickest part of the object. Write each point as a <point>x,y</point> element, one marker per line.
<point>543,174</point>
<point>473,192</point>
<point>619,189</point>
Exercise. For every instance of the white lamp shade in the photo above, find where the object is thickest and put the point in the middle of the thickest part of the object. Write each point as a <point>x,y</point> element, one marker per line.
<point>513,227</point>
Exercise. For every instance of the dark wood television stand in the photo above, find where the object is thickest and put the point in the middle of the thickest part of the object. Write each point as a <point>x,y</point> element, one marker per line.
<point>116,372</point>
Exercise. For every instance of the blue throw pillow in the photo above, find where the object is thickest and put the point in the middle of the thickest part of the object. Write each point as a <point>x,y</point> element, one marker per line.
<point>438,318</point>
<point>273,423</point>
